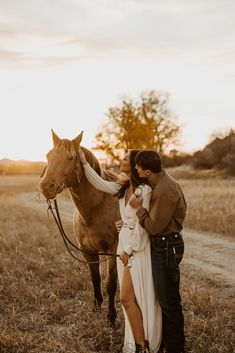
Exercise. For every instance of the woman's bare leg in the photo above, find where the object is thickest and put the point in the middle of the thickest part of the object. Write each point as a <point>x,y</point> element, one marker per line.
<point>128,300</point>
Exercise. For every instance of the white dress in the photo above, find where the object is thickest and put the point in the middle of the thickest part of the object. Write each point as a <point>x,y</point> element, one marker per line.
<point>134,239</point>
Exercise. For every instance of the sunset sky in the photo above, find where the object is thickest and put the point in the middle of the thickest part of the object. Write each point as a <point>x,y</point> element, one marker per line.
<point>64,62</point>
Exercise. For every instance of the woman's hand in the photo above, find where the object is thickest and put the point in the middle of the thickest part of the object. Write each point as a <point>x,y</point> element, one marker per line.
<point>124,257</point>
<point>136,202</point>
<point>82,156</point>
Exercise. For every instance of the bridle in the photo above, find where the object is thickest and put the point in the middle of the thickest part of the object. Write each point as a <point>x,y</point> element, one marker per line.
<point>56,215</point>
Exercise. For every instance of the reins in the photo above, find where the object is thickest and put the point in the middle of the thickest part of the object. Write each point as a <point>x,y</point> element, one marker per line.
<point>66,240</point>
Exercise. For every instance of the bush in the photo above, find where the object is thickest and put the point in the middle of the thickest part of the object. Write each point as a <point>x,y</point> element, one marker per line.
<point>175,159</point>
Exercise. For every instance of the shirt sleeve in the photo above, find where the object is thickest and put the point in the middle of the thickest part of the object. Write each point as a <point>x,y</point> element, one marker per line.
<point>161,211</point>
<point>98,182</point>
<point>139,238</point>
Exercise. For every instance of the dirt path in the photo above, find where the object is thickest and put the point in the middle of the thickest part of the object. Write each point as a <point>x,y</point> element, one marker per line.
<point>213,254</point>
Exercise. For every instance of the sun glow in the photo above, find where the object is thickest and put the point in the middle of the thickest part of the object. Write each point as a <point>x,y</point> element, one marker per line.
<point>61,73</point>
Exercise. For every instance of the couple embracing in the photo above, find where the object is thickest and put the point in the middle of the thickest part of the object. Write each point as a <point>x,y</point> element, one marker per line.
<point>150,248</point>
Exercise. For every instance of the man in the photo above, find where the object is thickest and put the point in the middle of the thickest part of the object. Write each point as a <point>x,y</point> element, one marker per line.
<point>164,222</point>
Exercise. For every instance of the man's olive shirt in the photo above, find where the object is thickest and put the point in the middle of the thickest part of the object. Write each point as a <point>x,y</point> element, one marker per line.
<point>167,208</point>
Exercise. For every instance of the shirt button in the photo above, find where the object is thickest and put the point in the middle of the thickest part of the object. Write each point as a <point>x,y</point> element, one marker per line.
<point>163,238</point>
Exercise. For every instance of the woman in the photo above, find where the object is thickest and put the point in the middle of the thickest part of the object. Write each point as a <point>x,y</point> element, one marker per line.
<point>143,318</point>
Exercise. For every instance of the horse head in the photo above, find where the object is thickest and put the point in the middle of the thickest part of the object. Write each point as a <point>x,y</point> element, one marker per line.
<point>64,168</point>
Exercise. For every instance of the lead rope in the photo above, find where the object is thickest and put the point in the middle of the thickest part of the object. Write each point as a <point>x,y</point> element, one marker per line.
<point>66,240</point>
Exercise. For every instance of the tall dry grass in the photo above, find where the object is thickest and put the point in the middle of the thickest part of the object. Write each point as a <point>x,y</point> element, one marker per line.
<point>210,196</point>
<point>46,297</point>
<point>211,205</point>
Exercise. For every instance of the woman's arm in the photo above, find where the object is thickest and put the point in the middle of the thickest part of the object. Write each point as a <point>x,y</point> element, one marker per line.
<point>97,181</point>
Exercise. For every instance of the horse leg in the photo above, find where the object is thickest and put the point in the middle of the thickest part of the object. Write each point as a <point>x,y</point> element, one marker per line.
<point>111,286</point>
<point>95,278</point>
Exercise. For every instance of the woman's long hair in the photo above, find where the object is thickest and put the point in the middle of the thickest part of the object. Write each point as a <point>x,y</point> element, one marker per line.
<point>134,180</point>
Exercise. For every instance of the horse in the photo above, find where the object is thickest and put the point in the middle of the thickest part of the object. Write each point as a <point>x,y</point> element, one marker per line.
<point>95,211</point>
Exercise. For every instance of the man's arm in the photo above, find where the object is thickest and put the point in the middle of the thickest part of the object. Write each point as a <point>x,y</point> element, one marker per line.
<point>156,220</point>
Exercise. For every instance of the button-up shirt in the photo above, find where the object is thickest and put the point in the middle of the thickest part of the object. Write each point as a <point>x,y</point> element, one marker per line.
<point>167,208</point>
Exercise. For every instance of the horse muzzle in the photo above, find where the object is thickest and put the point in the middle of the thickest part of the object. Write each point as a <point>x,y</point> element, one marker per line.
<point>51,189</point>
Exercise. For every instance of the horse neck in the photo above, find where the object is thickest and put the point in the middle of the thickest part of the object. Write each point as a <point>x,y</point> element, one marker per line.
<point>85,197</point>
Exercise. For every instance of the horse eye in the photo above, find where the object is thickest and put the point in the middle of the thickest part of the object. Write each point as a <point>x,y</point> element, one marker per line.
<point>70,158</point>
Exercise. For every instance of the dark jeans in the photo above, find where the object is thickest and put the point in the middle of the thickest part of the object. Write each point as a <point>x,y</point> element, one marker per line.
<point>166,254</point>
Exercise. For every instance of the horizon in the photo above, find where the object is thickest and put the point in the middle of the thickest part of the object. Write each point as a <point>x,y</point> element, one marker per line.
<point>101,156</point>
<point>62,68</point>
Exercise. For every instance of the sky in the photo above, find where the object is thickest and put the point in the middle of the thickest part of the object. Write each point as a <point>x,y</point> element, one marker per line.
<point>64,62</point>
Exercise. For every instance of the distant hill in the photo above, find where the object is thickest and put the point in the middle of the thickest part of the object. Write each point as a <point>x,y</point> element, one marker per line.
<point>216,158</point>
<point>8,166</point>
<point>219,154</point>
<point>6,161</point>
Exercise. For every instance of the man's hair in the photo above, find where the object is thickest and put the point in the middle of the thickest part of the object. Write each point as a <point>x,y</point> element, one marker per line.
<point>149,159</point>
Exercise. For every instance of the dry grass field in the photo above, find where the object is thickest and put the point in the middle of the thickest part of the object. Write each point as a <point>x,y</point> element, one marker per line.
<point>210,199</point>
<point>46,296</point>
<point>211,205</point>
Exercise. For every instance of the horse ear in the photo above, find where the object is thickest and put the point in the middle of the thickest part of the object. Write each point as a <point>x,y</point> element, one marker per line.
<point>55,138</point>
<point>78,140</point>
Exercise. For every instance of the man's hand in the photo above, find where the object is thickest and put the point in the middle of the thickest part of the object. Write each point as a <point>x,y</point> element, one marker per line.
<point>136,202</point>
<point>124,257</point>
<point>82,156</point>
<point>119,225</point>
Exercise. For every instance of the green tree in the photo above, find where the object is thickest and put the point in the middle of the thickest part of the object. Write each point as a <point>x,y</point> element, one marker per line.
<point>146,123</point>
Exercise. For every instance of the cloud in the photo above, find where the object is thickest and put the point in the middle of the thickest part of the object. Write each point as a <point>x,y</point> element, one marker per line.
<point>76,30</point>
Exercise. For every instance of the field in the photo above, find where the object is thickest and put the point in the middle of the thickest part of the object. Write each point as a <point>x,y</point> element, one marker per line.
<point>211,205</point>
<point>210,198</point>
<point>46,297</point>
